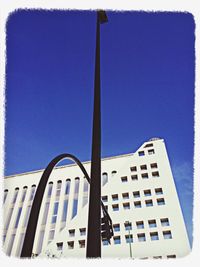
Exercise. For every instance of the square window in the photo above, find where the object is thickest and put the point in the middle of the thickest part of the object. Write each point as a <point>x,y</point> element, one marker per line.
<point>143,167</point>
<point>134,177</point>
<point>115,197</point>
<point>59,245</point>
<point>167,234</point>
<point>129,238</point>
<point>136,194</point>
<point>82,231</point>
<point>145,175</point>
<point>147,192</point>
<point>70,244</point>
<point>126,206</point>
<point>158,191</point>
<point>117,240</point>
<point>81,243</point>
<point>148,145</point>
<point>104,198</point>
<point>141,237</point>
<point>154,236</point>
<point>140,224</point>
<point>155,174</point>
<point>161,201</point>
<point>124,179</point>
<point>154,165</point>
<point>149,203</point>
<point>72,232</point>
<point>125,195</point>
<point>157,257</point>
<point>141,153</point>
<point>137,204</point>
<point>171,256</point>
<point>128,226</point>
<point>152,223</point>
<point>164,222</point>
<point>116,227</point>
<point>115,207</point>
<point>151,151</point>
<point>105,242</point>
<point>133,169</point>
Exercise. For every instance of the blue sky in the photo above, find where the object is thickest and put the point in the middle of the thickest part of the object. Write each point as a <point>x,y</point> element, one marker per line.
<point>147,78</point>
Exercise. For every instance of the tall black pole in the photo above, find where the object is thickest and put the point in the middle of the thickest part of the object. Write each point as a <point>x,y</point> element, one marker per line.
<point>94,216</point>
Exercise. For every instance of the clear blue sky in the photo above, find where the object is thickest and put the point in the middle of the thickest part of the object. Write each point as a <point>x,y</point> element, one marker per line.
<point>147,75</point>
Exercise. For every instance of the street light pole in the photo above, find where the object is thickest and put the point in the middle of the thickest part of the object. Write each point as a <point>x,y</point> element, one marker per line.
<point>94,215</point>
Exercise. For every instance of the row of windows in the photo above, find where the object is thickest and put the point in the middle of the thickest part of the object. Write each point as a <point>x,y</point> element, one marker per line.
<point>136,194</point>
<point>144,167</point>
<point>145,175</point>
<point>23,195</point>
<point>138,204</point>
<point>140,224</point>
<point>149,152</point>
<point>140,237</point>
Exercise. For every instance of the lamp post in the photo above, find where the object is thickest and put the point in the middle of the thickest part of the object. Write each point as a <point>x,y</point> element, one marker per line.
<point>94,216</point>
<point>129,235</point>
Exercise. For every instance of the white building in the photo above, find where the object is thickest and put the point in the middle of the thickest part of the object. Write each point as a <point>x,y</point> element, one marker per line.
<point>136,188</point>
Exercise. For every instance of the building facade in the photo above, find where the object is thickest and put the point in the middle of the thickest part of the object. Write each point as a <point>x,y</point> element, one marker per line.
<point>138,191</point>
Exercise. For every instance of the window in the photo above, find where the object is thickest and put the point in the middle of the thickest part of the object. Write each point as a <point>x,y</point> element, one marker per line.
<point>154,236</point>
<point>18,217</point>
<point>133,169</point>
<point>149,203</point>
<point>129,238</point>
<point>104,198</point>
<point>167,234</point>
<point>64,211</point>
<point>115,207</point>
<point>158,191</point>
<point>140,224</point>
<point>143,167</point>
<point>115,197</point>
<point>171,256</point>
<point>72,232</point>
<point>117,240</point>
<point>106,207</point>
<point>147,192</point>
<point>126,206</point>
<point>104,178</point>
<point>50,189</point>
<point>59,246</point>
<point>151,151</point>
<point>137,204</point>
<point>136,194</point>
<point>8,218</point>
<point>85,192</point>
<point>5,195</point>
<point>55,211</point>
<point>32,192</point>
<point>58,188</point>
<point>70,244</point>
<point>105,242</point>
<point>45,214</point>
<point>134,177</point>
<point>113,173</point>
<point>116,227</point>
<point>24,193</point>
<point>125,195</point>
<point>145,175</point>
<point>141,153</point>
<point>154,165</point>
<point>124,179</point>
<point>67,186</point>
<point>141,237</point>
<point>157,257</point>
<point>81,243</point>
<point>15,195</point>
<point>155,174</point>
<point>51,234</point>
<point>128,226</point>
<point>148,145</point>
<point>152,223</point>
<point>82,231</point>
<point>27,214</point>
<point>164,222</point>
<point>161,201</point>
<point>75,201</point>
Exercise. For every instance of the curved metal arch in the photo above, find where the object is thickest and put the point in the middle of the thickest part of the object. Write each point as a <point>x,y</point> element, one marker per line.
<point>37,201</point>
